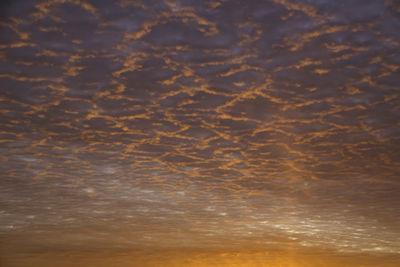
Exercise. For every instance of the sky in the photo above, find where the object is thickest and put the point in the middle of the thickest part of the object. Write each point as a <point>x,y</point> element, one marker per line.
<point>199,133</point>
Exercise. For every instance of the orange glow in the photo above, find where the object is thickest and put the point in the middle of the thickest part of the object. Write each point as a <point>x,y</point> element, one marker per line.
<point>184,258</point>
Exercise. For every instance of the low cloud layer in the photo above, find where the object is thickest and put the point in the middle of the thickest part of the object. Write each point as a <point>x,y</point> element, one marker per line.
<point>201,123</point>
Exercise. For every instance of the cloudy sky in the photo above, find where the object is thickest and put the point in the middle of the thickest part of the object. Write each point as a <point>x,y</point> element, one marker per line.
<point>199,133</point>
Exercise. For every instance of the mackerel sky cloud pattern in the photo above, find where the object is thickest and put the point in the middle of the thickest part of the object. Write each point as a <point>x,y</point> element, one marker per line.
<point>207,125</point>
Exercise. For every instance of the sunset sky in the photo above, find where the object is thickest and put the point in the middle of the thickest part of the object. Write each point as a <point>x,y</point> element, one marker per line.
<point>200,133</point>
